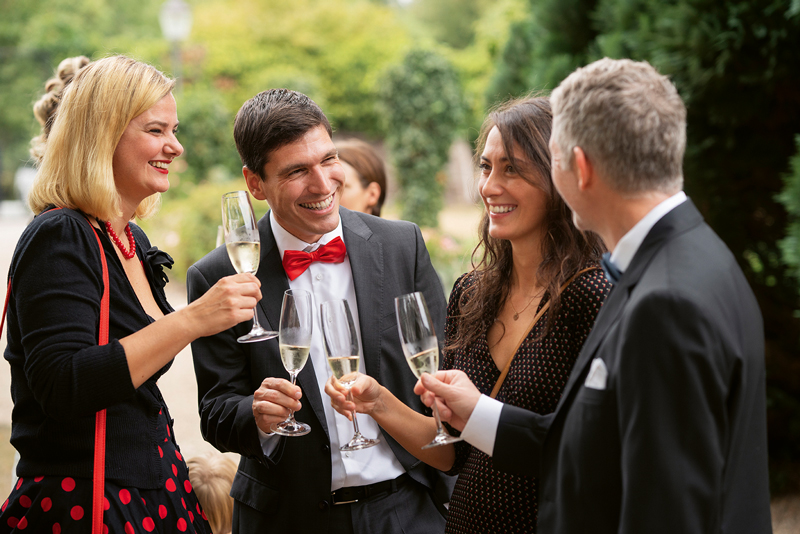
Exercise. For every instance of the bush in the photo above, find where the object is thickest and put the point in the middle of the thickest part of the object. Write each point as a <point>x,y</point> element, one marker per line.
<point>450,256</point>
<point>790,198</point>
<point>423,109</point>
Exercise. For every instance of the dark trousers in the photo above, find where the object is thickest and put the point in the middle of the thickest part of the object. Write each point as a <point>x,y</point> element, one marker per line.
<point>409,510</point>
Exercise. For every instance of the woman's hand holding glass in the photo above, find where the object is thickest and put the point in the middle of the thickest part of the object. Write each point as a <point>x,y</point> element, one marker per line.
<point>242,241</point>
<point>367,396</point>
<point>227,303</point>
<point>341,346</point>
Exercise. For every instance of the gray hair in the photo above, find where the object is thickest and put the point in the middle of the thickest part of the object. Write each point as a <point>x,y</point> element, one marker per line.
<point>628,119</point>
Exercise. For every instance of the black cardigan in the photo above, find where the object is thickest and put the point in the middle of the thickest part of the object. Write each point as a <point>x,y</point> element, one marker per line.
<point>59,375</point>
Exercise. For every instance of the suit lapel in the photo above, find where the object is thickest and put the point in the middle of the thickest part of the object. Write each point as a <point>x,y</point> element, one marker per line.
<point>273,284</point>
<point>682,218</point>
<point>366,264</point>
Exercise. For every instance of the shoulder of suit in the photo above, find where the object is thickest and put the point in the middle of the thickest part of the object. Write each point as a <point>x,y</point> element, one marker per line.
<point>376,224</point>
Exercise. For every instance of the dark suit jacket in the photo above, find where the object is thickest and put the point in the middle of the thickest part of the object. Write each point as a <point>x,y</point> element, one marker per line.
<point>676,443</point>
<point>388,259</point>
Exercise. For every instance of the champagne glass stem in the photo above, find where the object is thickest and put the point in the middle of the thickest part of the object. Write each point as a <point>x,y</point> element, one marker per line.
<point>355,423</point>
<point>256,325</point>
<point>439,428</point>
<point>291,412</point>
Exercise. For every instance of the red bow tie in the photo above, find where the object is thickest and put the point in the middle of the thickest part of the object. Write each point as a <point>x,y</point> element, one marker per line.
<point>295,262</point>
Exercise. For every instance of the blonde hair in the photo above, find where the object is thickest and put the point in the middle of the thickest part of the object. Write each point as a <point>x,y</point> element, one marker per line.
<point>211,476</point>
<point>628,119</point>
<point>76,169</point>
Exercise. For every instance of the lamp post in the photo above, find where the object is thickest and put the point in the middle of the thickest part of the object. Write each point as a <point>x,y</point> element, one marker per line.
<point>176,23</point>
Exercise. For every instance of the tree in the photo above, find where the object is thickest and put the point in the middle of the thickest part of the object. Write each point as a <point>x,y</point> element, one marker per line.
<point>36,35</point>
<point>332,51</point>
<point>423,108</point>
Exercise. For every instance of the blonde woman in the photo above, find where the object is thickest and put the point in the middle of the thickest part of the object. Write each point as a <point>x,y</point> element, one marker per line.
<point>109,136</point>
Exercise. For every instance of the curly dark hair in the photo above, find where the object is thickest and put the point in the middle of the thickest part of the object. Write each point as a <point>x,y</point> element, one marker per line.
<point>526,124</point>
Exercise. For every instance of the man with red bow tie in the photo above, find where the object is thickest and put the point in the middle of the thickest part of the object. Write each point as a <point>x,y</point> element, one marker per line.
<point>305,484</point>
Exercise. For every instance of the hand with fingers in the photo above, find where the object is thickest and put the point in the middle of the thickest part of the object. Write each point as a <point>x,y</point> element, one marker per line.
<point>227,303</point>
<point>273,402</point>
<point>454,394</point>
<point>367,396</point>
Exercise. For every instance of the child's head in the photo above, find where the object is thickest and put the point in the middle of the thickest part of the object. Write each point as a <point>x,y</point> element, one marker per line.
<point>212,476</point>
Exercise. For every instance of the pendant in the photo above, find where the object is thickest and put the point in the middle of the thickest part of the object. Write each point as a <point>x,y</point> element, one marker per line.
<point>516,316</point>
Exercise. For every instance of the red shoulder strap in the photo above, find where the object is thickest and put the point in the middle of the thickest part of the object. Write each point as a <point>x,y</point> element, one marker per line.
<point>5,307</point>
<point>99,472</point>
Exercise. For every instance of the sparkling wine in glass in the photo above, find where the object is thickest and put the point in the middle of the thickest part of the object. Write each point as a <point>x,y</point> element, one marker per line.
<point>421,348</point>
<point>294,342</point>
<point>244,248</point>
<point>341,345</point>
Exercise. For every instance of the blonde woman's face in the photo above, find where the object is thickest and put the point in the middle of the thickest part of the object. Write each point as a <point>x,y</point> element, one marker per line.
<point>147,147</point>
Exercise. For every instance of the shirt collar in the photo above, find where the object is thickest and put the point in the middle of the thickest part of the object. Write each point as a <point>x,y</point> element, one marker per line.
<point>286,241</point>
<point>627,246</point>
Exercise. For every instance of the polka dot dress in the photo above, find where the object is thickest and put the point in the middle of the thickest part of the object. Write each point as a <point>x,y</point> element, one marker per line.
<point>486,500</point>
<point>63,504</point>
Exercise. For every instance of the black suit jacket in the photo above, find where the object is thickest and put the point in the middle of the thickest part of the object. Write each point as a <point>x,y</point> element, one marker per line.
<point>388,259</point>
<point>676,443</point>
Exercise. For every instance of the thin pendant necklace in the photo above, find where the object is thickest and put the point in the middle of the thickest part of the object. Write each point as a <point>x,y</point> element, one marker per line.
<point>516,313</point>
<point>127,254</point>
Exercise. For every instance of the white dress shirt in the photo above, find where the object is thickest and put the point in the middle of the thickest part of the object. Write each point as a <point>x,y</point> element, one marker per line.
<point>334,281</point>
<point>481,428</point>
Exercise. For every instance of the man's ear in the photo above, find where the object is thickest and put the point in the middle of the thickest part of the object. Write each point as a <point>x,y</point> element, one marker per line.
<point>254,183</point>
<point>585,169</point>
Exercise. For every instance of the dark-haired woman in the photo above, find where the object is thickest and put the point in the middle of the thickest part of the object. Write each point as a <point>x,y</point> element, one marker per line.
<point>532,262</point>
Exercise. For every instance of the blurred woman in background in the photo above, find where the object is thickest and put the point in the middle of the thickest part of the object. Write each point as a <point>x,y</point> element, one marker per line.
<point>365,177</point>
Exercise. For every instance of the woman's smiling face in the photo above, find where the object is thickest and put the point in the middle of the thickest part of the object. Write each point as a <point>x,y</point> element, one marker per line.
<point>517,208</point>
<point>147,147</point>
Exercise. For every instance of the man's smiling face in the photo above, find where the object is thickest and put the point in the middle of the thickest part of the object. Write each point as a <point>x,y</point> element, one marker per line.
<point>302,185</point>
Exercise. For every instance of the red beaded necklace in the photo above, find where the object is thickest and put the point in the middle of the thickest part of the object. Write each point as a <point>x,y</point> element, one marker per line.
<point>131,252</point>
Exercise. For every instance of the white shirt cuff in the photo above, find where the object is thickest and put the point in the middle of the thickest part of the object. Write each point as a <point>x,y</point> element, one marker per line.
<point>269,442</point>
<point>481,428</point>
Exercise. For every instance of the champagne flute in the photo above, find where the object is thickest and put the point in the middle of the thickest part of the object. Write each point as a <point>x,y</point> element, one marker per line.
<point>244,248</point>
<point>418,339</point>
<point>341,344</point>
<point>294,342</point>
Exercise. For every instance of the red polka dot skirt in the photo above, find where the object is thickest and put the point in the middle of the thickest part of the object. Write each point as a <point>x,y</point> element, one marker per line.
<point>58,504</point>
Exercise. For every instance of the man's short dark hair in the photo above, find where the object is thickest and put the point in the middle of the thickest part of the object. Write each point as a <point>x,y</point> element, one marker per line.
<point>270,120</point>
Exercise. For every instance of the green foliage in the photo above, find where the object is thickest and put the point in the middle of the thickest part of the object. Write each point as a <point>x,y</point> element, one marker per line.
<point>486,23</point>
<point>450,255</point>
<point>333,51</point>
<point>423,107</point>
<point>186,226</point>
<point>206,130</point>
<point>36,35</point>
<point>789,197</point>
<point>451,22</point>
